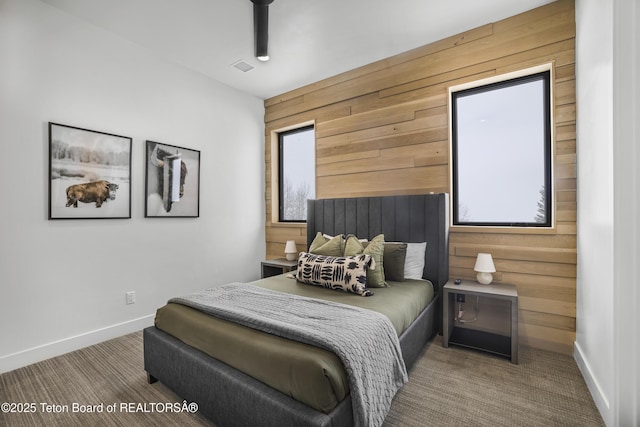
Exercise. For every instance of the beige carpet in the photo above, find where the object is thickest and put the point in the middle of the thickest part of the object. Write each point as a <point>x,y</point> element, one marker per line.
<point>447,387</point>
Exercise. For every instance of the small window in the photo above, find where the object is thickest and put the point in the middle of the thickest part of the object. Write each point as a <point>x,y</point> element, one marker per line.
<point>501,153</point>
<point>297,172</point>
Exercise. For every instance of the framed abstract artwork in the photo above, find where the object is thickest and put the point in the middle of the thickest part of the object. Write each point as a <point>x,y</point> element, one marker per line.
<point>172,181</point>
<point>89,174</point>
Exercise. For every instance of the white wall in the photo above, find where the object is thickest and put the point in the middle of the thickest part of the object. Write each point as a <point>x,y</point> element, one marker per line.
<point>63,283</point>
<point>606,347</point>
<point>594,299</point>
<point>626,158</point>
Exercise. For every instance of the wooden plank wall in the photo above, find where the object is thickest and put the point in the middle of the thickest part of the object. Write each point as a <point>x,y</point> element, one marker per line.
<point>382,129</point>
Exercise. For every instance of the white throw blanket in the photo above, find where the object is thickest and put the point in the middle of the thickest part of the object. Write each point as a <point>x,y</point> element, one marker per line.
<point>364,340</point>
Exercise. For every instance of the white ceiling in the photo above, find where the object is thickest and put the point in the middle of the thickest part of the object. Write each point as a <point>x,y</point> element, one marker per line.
<point>308,40</point>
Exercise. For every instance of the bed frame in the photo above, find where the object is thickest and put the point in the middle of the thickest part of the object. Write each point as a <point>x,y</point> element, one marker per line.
<point>231,398</point>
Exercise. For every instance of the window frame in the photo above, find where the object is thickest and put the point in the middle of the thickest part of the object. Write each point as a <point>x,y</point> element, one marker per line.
<point>543,73</point>
<point>279,136</point>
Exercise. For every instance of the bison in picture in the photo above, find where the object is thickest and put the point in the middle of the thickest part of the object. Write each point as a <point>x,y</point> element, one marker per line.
<point>90,192</point>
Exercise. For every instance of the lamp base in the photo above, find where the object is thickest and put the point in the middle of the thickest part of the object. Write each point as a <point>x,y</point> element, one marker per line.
<point>292,256</point>
<point>484,278</point>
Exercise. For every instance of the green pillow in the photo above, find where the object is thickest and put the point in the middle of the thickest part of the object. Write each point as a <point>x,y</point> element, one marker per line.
<point>328,247</point>
<point>394,257</point>
<point>375,248</point>
<point>353,246</point>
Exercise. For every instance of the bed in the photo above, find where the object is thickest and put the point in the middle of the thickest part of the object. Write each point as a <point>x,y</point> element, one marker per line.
<point>227,395</point>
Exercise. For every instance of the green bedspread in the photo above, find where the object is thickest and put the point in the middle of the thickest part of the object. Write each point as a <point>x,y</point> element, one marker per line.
<point>309,374</point>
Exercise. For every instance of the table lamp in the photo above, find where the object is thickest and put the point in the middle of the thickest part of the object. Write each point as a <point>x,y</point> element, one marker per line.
<point>484,267</point>
<point>290,250</point>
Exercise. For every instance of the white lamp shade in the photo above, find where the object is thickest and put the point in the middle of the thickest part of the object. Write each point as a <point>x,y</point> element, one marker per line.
<point>484,264</point>
<point>484,267</point>
<point>290,250</point>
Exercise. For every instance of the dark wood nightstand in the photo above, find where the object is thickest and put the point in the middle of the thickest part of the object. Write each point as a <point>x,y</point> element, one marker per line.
<point>273,267</point>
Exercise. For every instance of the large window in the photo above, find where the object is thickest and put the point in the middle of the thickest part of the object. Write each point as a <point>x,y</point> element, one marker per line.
<point>501,153</point>
<point>297,171</point>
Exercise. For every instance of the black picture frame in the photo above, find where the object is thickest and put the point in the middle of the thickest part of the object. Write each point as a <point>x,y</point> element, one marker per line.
<point>89,174</point>
<point>172,181</point>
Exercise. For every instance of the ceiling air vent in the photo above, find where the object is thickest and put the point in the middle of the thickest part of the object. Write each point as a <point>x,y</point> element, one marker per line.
<point>243,66</point>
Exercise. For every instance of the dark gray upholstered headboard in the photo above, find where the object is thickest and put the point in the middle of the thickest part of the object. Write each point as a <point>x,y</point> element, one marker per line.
<point>411,219</point>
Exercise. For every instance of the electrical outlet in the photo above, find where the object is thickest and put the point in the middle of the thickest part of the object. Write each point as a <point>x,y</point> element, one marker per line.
<point>131,297</point>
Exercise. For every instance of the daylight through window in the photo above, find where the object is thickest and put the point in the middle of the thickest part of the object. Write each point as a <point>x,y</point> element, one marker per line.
<point>297,171</point>
<point>501,153</point>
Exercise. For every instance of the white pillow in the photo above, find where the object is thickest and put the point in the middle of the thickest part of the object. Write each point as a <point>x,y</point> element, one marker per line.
<point>414,261</point>
<point>328,236</point>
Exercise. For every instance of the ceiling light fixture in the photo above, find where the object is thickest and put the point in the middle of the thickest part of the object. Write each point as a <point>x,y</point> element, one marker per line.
<point>261,28</point>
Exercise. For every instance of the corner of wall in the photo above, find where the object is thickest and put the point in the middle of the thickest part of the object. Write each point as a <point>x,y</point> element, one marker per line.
<point>599,397</point>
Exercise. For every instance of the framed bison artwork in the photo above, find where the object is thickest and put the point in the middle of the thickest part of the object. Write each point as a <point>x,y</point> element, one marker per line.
<point>172,181</point>
<point>89,174</point>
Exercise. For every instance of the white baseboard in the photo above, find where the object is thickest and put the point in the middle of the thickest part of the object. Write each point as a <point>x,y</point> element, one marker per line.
<point>599,397</point>
<point>46,351</point>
